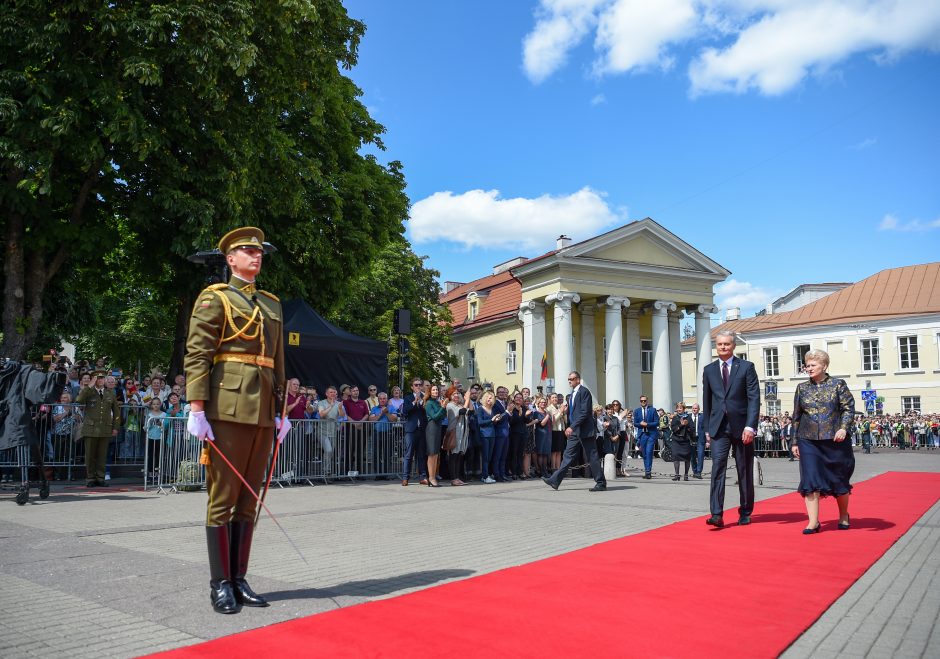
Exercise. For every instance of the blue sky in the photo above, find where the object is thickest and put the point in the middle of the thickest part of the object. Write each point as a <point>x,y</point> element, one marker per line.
<point>792,141</point>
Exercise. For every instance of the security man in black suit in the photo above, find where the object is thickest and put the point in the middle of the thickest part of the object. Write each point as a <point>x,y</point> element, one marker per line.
<point>581,433</point>
<point>731,403</point>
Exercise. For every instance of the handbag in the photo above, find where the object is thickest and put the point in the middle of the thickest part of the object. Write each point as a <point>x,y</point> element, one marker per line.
<point>666,453</point>
<point>450,439</point>
<point>77,430</point>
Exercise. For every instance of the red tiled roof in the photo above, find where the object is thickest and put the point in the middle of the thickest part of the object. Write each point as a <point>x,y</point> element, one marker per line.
<point>898,292</point>
<point>504,294</point>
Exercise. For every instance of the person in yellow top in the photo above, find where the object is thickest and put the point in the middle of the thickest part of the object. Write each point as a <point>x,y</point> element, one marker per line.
<point>234,369</point>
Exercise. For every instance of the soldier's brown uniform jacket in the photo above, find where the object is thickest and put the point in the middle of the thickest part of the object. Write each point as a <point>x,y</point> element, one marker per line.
<point>235,353</point>
<point>102,413</point>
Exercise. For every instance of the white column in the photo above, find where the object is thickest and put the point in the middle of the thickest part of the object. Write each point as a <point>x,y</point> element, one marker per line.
<point>634,360</point>
<point>703,343</point>
<point>564,348</point>
<point>588,347</point>
<point>613,331</point>
<point>532,315</point>
<point>662,387</point>
<point>675,357</point>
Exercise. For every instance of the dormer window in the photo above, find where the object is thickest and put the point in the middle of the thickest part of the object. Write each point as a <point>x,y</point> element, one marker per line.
<point>474,302</point>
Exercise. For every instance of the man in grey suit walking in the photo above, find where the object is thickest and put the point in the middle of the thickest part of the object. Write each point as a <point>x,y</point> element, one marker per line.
<point>731,403</point>
<point>581,433</point>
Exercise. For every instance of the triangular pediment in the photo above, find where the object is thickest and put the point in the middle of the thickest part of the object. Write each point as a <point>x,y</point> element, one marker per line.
<point>644,243</point>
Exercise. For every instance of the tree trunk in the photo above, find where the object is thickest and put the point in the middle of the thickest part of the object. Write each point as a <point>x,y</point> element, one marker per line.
<point>183,312</point>
<point>14,291</point>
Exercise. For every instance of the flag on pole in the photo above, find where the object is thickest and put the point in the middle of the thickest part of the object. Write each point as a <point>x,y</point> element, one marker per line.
<point>544,375</point>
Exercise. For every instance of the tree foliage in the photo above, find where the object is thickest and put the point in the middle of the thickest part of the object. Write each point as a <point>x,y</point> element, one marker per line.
<point>398,279</point>
<point>136,133</point>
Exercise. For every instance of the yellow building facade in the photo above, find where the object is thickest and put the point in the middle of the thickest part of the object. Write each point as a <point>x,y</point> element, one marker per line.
<point>608,307</point>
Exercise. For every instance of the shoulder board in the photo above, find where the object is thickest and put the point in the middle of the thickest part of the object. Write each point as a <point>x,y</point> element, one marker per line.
<point>270,295</point>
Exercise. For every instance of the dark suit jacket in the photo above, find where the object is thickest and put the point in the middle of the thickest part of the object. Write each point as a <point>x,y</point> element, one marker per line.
<point>651,416</point>
<point>415,417</point>
<point>741,402</point>
<point>697,422</point>
<point>581,415</point>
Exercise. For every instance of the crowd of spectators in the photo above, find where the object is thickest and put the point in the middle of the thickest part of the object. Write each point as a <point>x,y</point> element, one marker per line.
<point>503,435</point>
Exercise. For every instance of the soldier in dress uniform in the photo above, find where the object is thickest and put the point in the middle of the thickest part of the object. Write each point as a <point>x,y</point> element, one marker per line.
<point>234,372</point>
<point>102,422</point>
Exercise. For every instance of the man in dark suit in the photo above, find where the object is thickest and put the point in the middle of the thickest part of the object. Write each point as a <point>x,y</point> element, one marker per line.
<point>415,422</point>
<point>646,422</point>
<point>731,399</point>
<point>581,433</point>
<point>697,421</point>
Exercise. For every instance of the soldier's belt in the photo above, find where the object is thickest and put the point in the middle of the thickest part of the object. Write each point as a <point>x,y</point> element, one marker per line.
<point>257,360</point>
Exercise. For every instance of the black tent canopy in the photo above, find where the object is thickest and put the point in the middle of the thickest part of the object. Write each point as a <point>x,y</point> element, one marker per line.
<point>318,353</point>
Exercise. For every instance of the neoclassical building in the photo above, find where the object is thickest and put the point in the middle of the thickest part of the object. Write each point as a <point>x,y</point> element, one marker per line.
<point>609,307</point>
<point>882,335</point>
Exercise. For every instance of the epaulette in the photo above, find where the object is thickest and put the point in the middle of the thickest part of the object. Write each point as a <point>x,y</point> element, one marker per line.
<point>270,295</point>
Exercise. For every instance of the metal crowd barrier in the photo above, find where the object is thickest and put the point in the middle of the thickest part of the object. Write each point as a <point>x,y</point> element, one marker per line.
<point>313,450</point>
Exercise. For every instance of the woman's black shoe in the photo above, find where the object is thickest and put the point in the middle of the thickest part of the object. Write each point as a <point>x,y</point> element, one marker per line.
<point>817,529</point>
<point>846,525</point>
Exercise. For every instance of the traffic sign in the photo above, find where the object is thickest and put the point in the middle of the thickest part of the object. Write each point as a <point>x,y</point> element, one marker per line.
<point>869,406</point>
<point>770,390</point>
<point>869,394</point>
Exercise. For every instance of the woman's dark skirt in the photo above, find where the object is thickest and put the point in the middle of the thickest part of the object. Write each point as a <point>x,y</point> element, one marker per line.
<point>826,467</point>
<point>433,437</point>
<point>558,441</point>
<point>681,450</point>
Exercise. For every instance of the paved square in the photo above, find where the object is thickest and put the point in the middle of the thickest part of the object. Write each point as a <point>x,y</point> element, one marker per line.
<point>119,574</point>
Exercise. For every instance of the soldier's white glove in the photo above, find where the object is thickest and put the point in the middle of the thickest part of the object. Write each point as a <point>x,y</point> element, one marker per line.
<point>198,425</point>
<point>283,427</point>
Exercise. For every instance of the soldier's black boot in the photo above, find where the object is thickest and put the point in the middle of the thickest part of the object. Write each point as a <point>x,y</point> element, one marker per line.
<point>221,591</point>
<point>242,533</point>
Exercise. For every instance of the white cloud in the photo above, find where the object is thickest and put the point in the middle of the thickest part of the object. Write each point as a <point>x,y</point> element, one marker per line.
<point>744,295</point>
<point>864,144</point>
<point>481,218</point>
<point>561,25</point>
<point>891,223</point>
<point>634,34</point>
<point>740,45</point>
<point>598,99</point>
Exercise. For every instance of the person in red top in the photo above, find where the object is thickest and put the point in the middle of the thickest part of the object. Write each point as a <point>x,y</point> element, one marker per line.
<point>357,410</point>
<point>296,402</point>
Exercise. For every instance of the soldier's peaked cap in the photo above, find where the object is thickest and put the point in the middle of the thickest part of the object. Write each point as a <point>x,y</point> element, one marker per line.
<point>242,237</point>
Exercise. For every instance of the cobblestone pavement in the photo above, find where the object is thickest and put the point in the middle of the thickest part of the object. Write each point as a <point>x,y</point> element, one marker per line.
<point>122,573</point>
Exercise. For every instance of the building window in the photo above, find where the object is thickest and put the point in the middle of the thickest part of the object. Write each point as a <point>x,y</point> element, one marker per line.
<point>473,307</point>
<point>907,351</point>
<point>471,363</point>
<point>799,355</point>
<point>871,355</point>
<point>742,356</point>
<point>773,407</point>
<point>771,363</point>
<point>910,404</point>
<point>646,355</point>
<point>510,356</point>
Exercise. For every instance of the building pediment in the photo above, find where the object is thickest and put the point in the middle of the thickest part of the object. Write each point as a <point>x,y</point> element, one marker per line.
<point>643,245</point>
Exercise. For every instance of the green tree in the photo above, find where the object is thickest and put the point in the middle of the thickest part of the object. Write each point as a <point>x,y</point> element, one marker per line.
<point>398,279</point>
<point>136,133</point>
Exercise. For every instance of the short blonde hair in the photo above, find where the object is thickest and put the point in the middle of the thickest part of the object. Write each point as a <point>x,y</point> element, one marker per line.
<point>487,396</point>
<point>817,356</point>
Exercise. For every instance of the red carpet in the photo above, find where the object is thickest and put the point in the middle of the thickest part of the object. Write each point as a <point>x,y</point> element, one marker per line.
<point>741,591</point>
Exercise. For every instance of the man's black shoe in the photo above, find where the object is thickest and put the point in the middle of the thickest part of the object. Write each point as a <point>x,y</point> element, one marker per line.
<point>549,482</point>
<point>647,476</point>
<point>598,487</point>
<point>744,520</point>
<point>716,521</point>
<point>698,476</point>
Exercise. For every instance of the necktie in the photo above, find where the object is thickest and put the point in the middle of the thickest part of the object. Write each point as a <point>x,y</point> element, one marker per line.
<point>724,374</point>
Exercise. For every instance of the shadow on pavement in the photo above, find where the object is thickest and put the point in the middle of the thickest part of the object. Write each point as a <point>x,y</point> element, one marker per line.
<point>370,587</point>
